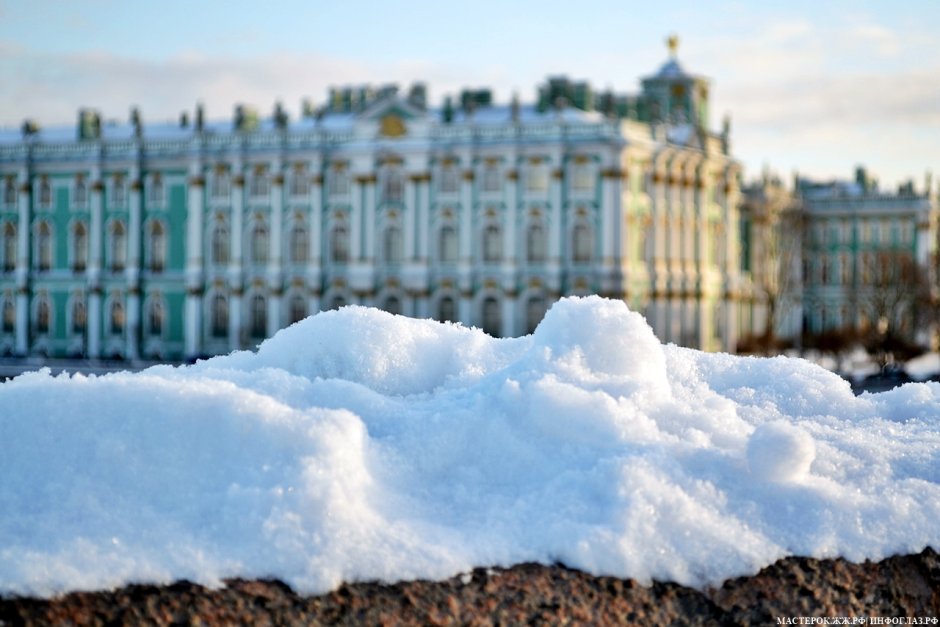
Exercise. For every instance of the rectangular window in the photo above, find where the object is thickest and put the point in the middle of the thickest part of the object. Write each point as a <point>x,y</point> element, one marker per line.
<point>300,181</point>
<point>221,183</point>
<point>491,182</point>
<point>339,180</point>
<point>118,192</point>
<point>9,191</point>
<point>80,192</point>
<point>157,193</point>
<point>449,179</point>
<point>260,183</point>
<point>582,177</point>
<point>537,177</point>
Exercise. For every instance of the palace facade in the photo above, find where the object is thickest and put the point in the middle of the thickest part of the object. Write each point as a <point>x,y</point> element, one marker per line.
<point>172,241</point>
<point>843,256</point>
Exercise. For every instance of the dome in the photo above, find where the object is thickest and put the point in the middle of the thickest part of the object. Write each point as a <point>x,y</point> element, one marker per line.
<point>671,69</point>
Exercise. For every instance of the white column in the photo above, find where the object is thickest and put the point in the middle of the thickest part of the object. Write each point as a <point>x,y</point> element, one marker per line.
<point>465,252</point>
<point>512,215</point>
<point>235,318</point>
<point>411,222</point>
<point>275,262</point>
<point>93,271</point>
<point>610,183</point>
<point>356,226</point>
<point>509,315</point>
<point>465,308</point>
<point>555,227</point>
<point>235,268</point>
<point>194,285</point>
<point>22,266</point>
<point>132,269</point>
<point>369,218</point>
<point>424,219</point>
<point>316,220</point>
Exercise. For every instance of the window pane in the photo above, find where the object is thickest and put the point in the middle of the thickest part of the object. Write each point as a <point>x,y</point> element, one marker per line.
<point>219,316</point>
<point>448,246</point>
<point>393,245</point>
<point>339,245</point>
<point>492,245</point>
<point>298,245</point>
<point>535,243</point>
<point>492,320</point>
<point>447,310</point>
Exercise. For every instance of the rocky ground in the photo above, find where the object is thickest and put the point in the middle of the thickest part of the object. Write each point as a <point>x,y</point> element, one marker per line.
<point>785,593</point>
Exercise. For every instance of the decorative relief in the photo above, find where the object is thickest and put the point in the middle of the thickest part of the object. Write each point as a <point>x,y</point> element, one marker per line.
<point>393,126</point>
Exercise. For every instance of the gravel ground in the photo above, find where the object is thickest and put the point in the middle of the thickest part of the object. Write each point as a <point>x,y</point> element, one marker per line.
<point>898,587</point>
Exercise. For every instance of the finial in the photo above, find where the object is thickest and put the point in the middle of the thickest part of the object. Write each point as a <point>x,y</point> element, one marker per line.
<point>673,43</point>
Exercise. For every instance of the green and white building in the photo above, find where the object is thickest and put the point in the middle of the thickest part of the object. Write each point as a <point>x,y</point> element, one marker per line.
<point>171,241</point>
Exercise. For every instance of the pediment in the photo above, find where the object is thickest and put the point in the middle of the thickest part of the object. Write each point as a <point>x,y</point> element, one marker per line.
<point>393,106</point>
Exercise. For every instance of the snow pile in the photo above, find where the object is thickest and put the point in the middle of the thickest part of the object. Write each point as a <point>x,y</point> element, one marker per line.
<point>356,445</point>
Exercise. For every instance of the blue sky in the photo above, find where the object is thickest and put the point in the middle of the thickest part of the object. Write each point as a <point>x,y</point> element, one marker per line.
<point>811,86</point>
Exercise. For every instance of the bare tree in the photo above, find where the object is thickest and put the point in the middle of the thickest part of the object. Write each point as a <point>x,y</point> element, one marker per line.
<point>776,242</point>
<point>895,298</point>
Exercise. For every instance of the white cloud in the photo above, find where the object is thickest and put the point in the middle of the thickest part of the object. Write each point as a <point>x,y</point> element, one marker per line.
<point>51,88</point>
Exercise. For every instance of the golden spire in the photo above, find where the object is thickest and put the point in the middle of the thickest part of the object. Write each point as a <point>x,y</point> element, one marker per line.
<point>673,43</point>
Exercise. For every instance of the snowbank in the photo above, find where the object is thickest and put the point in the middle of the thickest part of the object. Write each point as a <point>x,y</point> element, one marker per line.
<point>356,445</point>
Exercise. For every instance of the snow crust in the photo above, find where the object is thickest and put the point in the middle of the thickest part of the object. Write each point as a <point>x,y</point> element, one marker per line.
<point>357,445</point>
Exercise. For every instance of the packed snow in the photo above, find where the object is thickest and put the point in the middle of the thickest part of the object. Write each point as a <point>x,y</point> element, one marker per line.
<point>356,445</point>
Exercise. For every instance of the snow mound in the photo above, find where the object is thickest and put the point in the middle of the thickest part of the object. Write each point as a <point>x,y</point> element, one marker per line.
<point>356,445</point>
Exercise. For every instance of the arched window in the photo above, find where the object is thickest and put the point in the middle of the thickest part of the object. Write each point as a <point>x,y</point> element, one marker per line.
<point>337,302</point>
<point>299,246</point>
<point>258,316</point>
<point>492,244</point>
<point>535,243</point>
<point>79,247</point>
<point>118,247</point>
<point>392,305</point>
<point>447,310</point>
<point>581,244</point>
<point>219,244</point>
<point>534,312</point>
<point>259,243</point>
<point>219,316</point>
<point>155,317</point>
<point>339,244</point>
<point>448,244</point>
<point>117,317</point>
<point>392,244</point>
<point>43,313</point>
<point>157,247</point>
<point>44,247</point>
<point>9,247</point>
<point>9,315</point>
<point>492,317</point>
<point>78,315</point>
<point>297,309</point>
